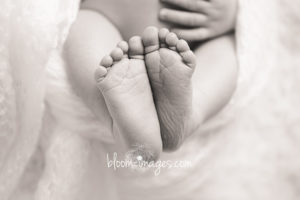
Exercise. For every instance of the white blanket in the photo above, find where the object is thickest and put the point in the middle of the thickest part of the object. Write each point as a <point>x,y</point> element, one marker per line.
<point>254,155</point>
<point>30,30</point>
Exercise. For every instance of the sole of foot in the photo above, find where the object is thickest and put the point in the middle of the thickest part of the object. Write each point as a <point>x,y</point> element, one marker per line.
<point>122,78</point>
<point>170,65</point>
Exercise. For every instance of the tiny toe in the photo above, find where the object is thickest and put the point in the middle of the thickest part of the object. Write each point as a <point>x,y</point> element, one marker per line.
<point>189,58</point>
<point>100,73</point>
<point>150,39</point>
<point>117,54</point>
<point>124,46</point>
<point>136,48</point>
<point>162,34</point>
<point>172,40</point>
<point>182,46</point>
<point>107,61</point>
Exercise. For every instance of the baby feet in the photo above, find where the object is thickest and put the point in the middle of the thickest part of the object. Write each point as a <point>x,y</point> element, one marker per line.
<point>123,81</point>
<point>170,64</point>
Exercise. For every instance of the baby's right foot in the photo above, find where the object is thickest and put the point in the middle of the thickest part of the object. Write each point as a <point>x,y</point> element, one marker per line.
<point>170,64</point>
<point>123,81</point>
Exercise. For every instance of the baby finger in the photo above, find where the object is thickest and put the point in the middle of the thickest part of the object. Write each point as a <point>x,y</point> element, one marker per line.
<point>183,18</point>
<point>192,34</point>
<point>191,5</point>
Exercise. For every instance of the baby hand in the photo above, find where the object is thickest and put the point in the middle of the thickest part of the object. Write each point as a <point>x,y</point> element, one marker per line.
<point>196,20</point>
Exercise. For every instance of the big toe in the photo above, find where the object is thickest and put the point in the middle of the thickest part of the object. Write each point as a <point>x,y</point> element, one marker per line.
<point>136,48</point>
<point>150,39</point>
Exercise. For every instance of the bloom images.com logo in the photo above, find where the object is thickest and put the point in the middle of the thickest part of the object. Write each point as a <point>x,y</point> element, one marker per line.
<point>139,164</point>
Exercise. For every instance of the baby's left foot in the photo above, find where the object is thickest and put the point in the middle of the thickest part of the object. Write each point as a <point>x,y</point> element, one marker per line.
<point>170,64</point>
<point>122,79</point>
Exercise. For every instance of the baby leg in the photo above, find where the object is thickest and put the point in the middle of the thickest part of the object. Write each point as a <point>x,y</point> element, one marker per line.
<point>122,78</point>
<point>214,79</point>
<point>91,37</point>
